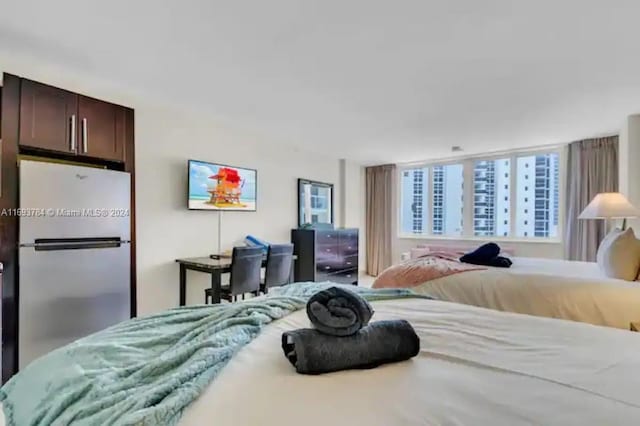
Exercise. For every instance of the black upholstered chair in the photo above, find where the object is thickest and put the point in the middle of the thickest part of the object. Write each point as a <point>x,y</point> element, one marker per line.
<point>246,263</point>
<point>278,273</point>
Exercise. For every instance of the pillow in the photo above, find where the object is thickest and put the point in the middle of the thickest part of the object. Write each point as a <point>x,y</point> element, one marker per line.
<point>419,252</point>
<point>619,255</point>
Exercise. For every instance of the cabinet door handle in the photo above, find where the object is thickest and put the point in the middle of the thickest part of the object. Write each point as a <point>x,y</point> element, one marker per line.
<point>73,133</point>
<point>85,135</point>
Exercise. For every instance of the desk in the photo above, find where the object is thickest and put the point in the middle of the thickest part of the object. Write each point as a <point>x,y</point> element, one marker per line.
<point>214,267</point>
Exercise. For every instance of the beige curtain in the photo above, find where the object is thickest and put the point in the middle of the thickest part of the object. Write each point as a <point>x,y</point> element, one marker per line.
<point>592,167</point>
<point>379,207</point>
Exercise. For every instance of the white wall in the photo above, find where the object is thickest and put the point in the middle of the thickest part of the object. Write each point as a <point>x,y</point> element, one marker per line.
<point>352,211</point>
<point>629,158</point>
<point>165,139</point>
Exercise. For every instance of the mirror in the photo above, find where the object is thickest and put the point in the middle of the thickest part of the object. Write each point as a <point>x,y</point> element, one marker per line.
<point>315,203</point>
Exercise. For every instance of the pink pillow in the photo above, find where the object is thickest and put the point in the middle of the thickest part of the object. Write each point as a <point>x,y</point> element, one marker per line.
<point>419,252</point>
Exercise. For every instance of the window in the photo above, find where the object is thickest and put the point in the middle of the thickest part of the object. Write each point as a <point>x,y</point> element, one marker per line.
<point>447,199</point>
<point>515,195</point>
<point>443,199</point>
<point>491,192</point>
<point>414,201</point>
<point>542,220</point>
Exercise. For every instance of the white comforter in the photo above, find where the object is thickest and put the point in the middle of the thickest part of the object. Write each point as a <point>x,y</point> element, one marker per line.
<point>550,288</point>
<point>476,367</point>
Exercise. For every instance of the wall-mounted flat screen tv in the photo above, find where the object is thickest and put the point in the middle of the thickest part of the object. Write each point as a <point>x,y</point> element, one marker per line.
<point>220,187</point>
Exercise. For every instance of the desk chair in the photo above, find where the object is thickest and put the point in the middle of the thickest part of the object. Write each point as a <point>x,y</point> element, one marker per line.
<point>278,272</point>
<point>246,263</point>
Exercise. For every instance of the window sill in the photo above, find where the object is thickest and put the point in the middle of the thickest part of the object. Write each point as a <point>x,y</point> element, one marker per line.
<point>496,239</point>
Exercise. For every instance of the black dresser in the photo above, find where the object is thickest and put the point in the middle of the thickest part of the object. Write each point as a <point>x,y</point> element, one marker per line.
<point>326,255</point>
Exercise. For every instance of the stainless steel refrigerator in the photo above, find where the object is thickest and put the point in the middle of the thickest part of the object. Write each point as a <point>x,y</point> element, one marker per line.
<point>74,260</point>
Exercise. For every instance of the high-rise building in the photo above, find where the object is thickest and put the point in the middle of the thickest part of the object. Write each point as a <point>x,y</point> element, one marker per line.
<point>491,204</point>
<point>414,201</point>
<point>538,196</point>
<point>447,202</point>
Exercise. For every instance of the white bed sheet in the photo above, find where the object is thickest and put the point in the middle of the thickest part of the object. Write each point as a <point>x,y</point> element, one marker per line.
<point>558,267</point>
<point>575,291</point>
<point>476,367</point>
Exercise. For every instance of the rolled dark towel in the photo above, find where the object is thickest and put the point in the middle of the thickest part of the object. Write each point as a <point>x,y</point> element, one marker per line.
<point>487,255</point>
<point>482,254</point>
<point>500,262</point>
<point>338,312</point>
<point>381,342</point>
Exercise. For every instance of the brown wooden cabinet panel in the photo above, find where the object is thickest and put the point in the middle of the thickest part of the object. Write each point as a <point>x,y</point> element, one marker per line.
<point>102,129</point>
<point>46,117</point>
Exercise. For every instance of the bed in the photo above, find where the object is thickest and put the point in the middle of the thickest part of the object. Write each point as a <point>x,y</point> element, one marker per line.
<point>476,367</point>
<point>576,291</point>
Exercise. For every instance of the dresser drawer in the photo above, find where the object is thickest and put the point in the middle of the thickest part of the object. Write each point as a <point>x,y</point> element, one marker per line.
<point>348,242</point>
<point>350,262</point>
<point>327,268</point>
<point>324,238</point>
<point>326,251</point>
<point>337,263</point>
<point>345,276</point>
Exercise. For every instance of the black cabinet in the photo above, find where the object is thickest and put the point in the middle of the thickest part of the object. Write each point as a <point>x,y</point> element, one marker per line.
<point>326,255</point>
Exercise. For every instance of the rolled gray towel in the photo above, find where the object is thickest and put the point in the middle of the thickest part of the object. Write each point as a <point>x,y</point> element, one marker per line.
<point>381,342</point>
<point>338,312</point>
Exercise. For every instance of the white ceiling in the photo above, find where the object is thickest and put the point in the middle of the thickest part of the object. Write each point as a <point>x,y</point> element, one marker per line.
<point>373,81</point>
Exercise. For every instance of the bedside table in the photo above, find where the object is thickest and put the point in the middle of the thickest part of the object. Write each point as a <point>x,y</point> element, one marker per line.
<point>634,326</point>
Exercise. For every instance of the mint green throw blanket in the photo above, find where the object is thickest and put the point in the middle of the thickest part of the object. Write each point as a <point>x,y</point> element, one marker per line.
<point>146,371</point>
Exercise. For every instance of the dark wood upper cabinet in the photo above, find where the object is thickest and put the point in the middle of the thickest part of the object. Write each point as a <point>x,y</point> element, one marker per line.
<point>102,129</point>
<point>48,117</point>
<point>60,121</point>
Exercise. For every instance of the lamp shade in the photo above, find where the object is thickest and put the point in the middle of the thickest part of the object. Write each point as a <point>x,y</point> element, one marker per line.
<point>609,205</point>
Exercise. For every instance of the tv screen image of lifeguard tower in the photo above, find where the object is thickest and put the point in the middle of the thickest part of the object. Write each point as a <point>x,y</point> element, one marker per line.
<point>220,187</point>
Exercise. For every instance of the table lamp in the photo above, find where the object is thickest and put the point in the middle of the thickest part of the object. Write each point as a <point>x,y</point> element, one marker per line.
<point>610,205</point>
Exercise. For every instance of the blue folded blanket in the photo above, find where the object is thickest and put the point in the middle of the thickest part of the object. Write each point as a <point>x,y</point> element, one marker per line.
<point>487,255</point>
<point>338,311</point>
<point>312,352</point>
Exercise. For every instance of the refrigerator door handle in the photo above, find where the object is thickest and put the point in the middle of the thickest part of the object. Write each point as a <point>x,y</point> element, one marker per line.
<point>55,244</point>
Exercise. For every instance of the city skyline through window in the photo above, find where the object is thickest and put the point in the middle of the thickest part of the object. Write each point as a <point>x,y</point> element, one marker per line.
<point>514,196</point>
